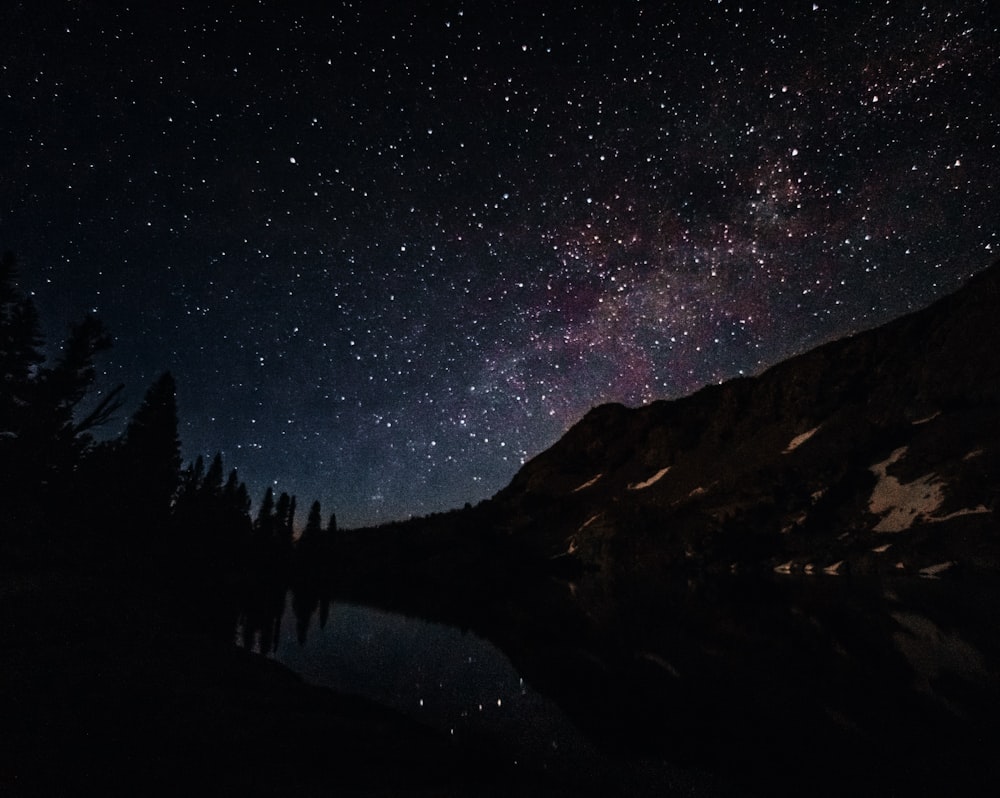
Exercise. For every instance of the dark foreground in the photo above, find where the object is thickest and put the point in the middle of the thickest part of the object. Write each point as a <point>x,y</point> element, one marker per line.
<point>114,682</point>
<point>102,692</point>
<point>105,690</point>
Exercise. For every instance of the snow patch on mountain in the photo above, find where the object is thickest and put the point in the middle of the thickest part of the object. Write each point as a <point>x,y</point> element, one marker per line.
<point>932,571</point>
<point>797,520</point>
<point>656,659</point>
<point>798,440</point>
<point>809,569</point>
<point>588,483</point>
<point>902,503</point>
<point>590,520</point>
<point>978,510</point>
<point>651,481</point>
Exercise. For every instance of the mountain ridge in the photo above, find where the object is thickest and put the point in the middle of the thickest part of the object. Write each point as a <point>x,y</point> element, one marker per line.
<point>759,470</point>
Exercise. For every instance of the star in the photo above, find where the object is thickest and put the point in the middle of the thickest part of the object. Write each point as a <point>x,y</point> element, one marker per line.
<point>392,252</point>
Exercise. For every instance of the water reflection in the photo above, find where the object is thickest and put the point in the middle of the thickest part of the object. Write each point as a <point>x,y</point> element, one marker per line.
<point>777,685</point>
<point>934,653</point>
<point>452,680</point>
<point>262,610</point>
<point>861,682</point>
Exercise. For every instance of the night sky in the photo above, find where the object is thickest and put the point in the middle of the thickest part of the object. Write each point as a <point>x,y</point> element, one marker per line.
<point>392,250</point>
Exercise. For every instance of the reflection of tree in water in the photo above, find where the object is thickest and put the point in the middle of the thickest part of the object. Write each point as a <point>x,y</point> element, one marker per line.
<point>259,626</point>
<point>324,611</point>
<point>263,604</point>
<point>308,600</point>
<point>304,603</point>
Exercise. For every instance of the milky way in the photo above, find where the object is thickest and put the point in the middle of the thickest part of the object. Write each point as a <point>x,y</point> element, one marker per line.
<point>391,250</point>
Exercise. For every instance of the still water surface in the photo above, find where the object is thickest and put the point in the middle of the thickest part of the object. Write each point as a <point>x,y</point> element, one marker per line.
<point>835,682</point>
<point>447,678</point>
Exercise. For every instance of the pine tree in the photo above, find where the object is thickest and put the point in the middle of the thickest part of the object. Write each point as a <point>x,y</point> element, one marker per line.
<point>229,490</point>
<point>281,514</point>
<point>212,527</point>
<point>242,501</point>
<point>66,384</point>
<point>149,461</point>
<point>44,433</point>
<point>314,521</point>
<point>20,357</point>
<point>152,447</point>
<point>264,525</point>
<point>284,524</point>
<point>212,485</point>
<point>20,351</point>
<point>313,547</point>
<point>193,476</point>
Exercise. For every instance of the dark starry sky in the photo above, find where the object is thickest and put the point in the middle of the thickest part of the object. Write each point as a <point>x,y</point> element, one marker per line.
<point>391,250</point>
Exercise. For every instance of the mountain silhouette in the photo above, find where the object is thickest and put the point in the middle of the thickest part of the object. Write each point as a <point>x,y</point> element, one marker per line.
<point>874,453</point>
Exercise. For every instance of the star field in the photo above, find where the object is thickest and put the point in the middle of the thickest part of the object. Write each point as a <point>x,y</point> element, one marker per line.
<point>391,250</point>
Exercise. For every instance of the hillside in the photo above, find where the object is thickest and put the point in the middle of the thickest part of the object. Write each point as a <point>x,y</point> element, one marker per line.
<point>875,453</point>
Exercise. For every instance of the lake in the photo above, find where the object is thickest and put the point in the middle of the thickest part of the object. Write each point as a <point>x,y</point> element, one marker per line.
<point>761,683</point>
<point>452,680</point>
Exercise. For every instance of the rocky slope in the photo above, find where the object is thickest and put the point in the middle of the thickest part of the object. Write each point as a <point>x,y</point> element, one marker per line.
<point>875,453</point>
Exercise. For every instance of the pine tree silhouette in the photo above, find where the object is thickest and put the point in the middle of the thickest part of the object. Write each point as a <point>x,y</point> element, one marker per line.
<point>20,350</point>
<point>281,515</point>
<point>151,453</point>
<point>314,521</point>
<point>311,539</point>
<point>44,431</point>
<point>231,488</point>
<point>212,520</point>
<point>193,476</point>
<point>212,485</point>
<point>263,527</point>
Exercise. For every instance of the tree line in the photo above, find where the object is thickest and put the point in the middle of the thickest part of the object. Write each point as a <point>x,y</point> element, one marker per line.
<point>66,493</point>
